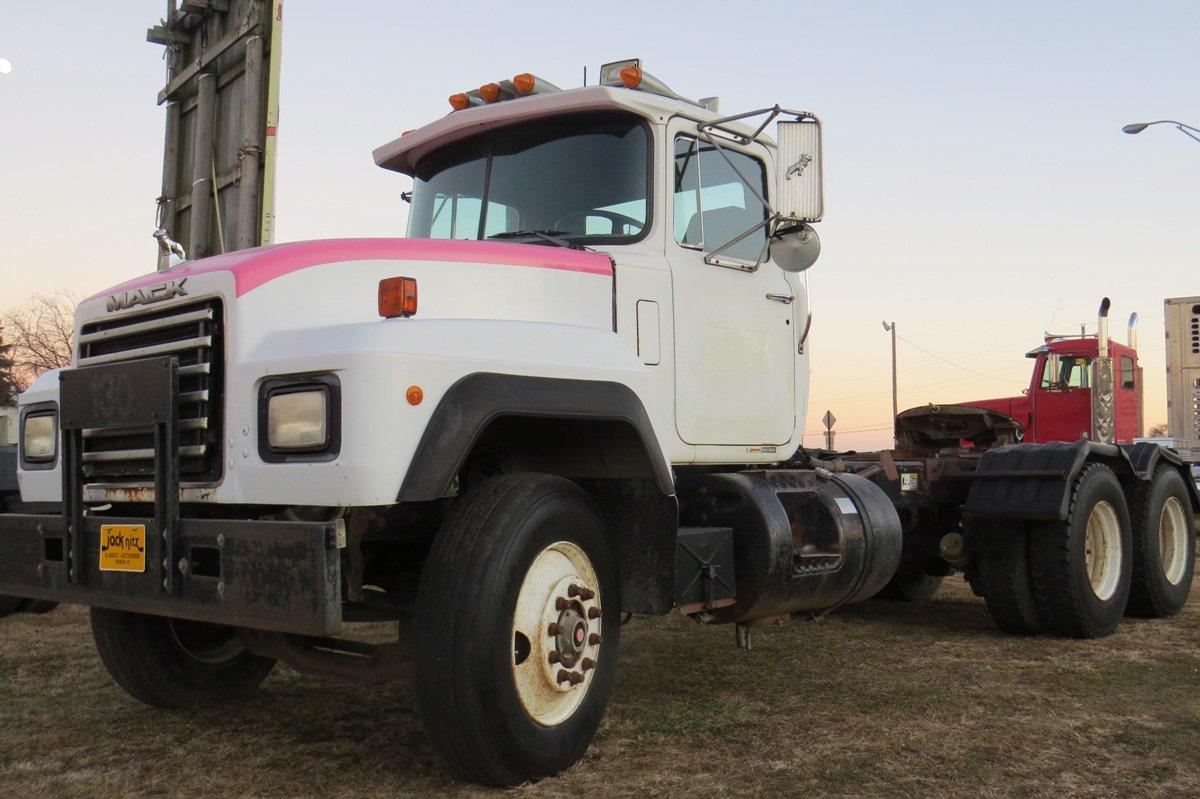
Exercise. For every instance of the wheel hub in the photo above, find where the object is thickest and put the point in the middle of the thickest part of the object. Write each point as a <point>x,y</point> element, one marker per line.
<point>1102,550</point>
<point>1172,540</point>
<point>558,614</point>
<point>572,635</point>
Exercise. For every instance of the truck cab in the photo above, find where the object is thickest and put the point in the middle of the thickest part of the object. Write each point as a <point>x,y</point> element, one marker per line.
<point>1057,405</point>
<point>632,174</point>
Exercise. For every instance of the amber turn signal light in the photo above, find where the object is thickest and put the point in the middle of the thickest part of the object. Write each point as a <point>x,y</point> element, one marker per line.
<point>631,77</point>
<point>414,395</point>
<point>459,101</point>
<point>397,297</point>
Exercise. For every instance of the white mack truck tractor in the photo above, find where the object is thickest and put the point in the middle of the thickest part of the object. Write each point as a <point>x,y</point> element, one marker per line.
<point>573,393</point>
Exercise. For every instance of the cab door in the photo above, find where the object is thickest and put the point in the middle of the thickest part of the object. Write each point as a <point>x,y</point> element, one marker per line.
<point>735,351</point>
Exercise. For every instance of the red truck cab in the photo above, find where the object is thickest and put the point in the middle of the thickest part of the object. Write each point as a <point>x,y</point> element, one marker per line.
<point>1057,406</point>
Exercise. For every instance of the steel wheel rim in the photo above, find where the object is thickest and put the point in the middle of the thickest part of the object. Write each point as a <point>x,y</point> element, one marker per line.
<point>1102,550</point>
<point>1172,540</point>
<point>556,633</point>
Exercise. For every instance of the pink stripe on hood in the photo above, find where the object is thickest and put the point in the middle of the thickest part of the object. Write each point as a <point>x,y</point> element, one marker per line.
<point>252,268</point>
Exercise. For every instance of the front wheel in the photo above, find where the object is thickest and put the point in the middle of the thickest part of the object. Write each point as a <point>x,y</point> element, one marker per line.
<point>517,630</point>
<point>171,663</point>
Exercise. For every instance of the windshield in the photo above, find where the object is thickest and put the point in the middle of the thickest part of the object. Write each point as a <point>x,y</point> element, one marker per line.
<point>584,179</point>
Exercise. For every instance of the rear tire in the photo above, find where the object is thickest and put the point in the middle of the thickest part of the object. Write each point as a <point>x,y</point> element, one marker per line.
<point>914,586</point>
<point>169,663</point>
<point>1005,581</point>
<point>1082,567</point>
<point>1164,545</point>
<point>487,660</point>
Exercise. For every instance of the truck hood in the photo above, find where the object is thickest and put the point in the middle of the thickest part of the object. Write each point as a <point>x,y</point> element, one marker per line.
<point>258,266</point>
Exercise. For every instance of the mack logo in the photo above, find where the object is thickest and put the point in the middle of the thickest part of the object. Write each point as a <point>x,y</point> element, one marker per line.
<point>146,296</point>
<point>798,168</point>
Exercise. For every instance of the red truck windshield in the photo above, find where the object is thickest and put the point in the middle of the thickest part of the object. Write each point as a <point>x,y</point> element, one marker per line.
<point>582,178</point>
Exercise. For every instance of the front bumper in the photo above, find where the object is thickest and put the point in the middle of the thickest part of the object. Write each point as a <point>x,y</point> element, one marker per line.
<point>269,575</point>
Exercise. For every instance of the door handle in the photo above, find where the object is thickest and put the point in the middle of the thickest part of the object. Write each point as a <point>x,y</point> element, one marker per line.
<point>786,299</point>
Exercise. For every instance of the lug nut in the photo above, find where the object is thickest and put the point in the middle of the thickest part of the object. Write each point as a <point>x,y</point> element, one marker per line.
<point>554,657</point>
<point>594,639</point>
<point>563,675</point>
<point>587,664</point>
<point>561,604</point>
<point>554,629</point>
<point>576,678</point>
<point>585,594</point>
<point>593,612</point>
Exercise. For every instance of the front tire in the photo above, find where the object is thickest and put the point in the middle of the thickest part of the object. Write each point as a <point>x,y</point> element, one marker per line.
<point>1082,567</point>
<point>517,628</point>
<point>1164,546</point>
<point>170,663</point>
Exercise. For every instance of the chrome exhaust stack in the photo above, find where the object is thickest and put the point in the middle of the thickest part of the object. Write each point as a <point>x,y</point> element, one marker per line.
<point>1103,410</point>
<point>1131,335</point>
<point>1102,328</point>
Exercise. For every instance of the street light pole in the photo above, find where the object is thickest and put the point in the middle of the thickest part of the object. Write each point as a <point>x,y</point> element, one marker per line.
<point>895,401</point>
<point>1186,130</point>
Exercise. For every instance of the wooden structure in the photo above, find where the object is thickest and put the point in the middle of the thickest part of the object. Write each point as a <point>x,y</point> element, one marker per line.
<point>222,103</point>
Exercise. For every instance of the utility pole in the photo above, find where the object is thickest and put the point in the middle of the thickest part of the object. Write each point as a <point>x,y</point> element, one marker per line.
<point>891,327</point>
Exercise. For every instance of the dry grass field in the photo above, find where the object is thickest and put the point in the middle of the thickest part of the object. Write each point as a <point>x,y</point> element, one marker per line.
<point>880,700</point>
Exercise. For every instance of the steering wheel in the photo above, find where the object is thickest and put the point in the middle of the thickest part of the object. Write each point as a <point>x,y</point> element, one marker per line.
<point>612,216</point>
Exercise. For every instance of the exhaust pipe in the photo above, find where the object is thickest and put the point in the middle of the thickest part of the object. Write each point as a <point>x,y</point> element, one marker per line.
<point>1132,331</point>
<point>1102,328</point>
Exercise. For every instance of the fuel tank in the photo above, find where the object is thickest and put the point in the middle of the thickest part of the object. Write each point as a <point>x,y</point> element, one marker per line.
<point>802,540</point>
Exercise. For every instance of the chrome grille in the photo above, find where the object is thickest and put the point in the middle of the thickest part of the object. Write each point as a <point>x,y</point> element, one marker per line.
<point>191,332</point>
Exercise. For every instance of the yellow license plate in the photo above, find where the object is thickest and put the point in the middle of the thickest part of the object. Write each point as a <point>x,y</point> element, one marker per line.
<point>123,548</point>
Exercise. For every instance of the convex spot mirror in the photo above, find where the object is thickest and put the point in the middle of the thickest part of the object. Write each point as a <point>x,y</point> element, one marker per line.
<point>796,249</point>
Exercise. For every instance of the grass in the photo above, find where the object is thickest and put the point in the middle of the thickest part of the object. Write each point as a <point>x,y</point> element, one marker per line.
<point>879,700</point>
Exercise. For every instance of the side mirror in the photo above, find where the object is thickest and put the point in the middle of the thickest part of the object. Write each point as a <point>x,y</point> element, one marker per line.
<point>799,171</point>
<point>797,249</point>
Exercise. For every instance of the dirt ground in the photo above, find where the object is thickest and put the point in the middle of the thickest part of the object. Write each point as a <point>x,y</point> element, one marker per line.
<point>880,700</point>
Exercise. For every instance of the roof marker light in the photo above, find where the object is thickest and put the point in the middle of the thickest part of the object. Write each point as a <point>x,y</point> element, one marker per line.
<point>527,83</point>
<point>459,101</point>
<point>490,92</point>
<point>524,82</point>
<point>631,77</point>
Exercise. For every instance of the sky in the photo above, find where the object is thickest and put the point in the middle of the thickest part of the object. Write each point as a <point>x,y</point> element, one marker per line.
<point>978,187</point>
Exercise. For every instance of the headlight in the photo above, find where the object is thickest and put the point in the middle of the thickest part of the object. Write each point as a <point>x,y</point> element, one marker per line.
<point>39,438</point>
<point>298,419</point>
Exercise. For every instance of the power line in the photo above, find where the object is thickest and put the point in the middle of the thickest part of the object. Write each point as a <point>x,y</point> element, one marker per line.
<point>955,365</point>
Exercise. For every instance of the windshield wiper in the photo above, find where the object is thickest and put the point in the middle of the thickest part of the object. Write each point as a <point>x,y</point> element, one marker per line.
<point>551,236</point>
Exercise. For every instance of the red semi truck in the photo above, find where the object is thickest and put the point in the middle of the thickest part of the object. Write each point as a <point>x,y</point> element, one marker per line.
<point>1057,405</point>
